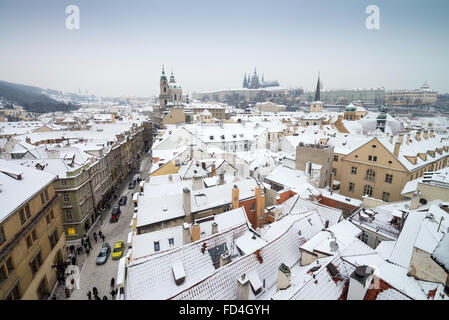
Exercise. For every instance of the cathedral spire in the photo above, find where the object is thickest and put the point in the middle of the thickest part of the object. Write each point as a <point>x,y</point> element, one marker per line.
<point>245,82</point>
<point>317,91</point>
<point>163,72</point>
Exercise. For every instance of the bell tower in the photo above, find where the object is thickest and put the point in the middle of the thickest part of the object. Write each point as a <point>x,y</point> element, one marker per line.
<point>164,92</point>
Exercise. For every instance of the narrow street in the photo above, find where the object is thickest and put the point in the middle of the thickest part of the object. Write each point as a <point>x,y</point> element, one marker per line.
<point>99,276</point>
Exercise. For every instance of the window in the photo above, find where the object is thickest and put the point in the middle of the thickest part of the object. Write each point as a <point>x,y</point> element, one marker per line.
<point>2,235</point>
<point>68,214</point>
<point>66,197</point>
<point>9,265</point>
<point>42,198</point>
<point>63,182</point>
<point>388,178</point>
<point>27,211</point>
<point>171,242</point>
<point>386,196</point>
<point>156,246</point>
<point>29,241</point>
<point>335,158</point>
<point>15,293</point>
<point>36,263</point>
<point>364,237</point>
<point>354,170</point>
<point>71,231</point>
<point>351,187</point>
<point>22,217</point>
<point>3,274</point>
<point>251,207</point>
<point>53,238</point>
<point>370,158</point>
<point>42,290</point>
<point>34,235</point>
<point>334,171</point>
<point>374,158</point>
<point>370,174</point>
<point>46,194</point>
<point>368,190</point>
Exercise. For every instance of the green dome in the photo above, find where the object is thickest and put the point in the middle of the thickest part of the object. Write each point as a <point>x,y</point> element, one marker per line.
<point>350,107</point>
<point>382,116</point>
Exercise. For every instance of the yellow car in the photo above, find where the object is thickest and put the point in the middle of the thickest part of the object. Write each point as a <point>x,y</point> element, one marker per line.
<point>119,247</point>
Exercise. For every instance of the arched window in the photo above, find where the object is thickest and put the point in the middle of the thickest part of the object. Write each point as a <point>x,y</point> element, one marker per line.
<point>368,190</point>
<point>370,174</point>
<point>165,89</point>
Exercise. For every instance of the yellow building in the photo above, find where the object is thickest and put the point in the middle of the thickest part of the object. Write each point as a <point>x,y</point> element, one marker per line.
<point>32,238</point>
<point>381,167</point>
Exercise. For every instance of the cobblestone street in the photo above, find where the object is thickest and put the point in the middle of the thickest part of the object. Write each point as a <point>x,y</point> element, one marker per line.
<point>99,276</point>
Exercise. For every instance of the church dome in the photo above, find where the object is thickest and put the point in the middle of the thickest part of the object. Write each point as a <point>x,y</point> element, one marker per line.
<point>350,108</point>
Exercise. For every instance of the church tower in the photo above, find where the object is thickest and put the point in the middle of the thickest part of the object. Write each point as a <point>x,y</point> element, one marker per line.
<point>317,105</point>
<point>245,82</point>
<point>164,93</point>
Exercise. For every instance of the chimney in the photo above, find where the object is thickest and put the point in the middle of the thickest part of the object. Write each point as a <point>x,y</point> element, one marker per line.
<point>214,227</point>
<point>418,135</point>
<point>170,178</point>
<point>359,282</point>
<point>203,165</point>
<point>213,173</point>
<point>243,288</point>
<point>408,138</point>
<point>186,203</point>
<point>432,133</point>
<point>414,203</point>
<point>308,171</point>
<point>260,207</point>
<point>235,197</point>
<point>388,134</point>
<point>401,138</point>
<point>397,147</point>
<point>221,180</point>
<point>225,258</point>
<point>391,139</point>
<point>28,140</point>
<point>426,134</point>
<point>195,232</point>
<point>197,183</point>
<point>284,276</point>
<point>186,236</point>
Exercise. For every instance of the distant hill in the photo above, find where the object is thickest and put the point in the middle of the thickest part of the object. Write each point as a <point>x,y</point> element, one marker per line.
<point>32,98</point>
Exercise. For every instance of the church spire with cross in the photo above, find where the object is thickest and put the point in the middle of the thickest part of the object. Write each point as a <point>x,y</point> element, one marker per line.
<point>317,91</point>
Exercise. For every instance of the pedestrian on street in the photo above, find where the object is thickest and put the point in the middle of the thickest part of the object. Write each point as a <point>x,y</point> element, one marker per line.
<point>74,261</point>
<point>112,283</point>
<point>87,251</point>
<point>82,242</point>
<point>72,249</point>
<point>113,293</point>
<point>89,295</point>
<point>95,237</point>
<point>67,293</point>
<point>105,298</point>
<point>100,234</point>
<point>97,298</point>
<point>89,245</point>
<point>103,237</point>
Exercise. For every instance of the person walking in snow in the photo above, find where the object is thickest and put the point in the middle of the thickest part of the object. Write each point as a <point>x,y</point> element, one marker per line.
<point>95,237</point>
<point>112,283</point>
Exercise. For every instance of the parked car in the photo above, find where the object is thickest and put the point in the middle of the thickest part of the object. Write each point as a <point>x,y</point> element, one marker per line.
<point>104,254</point>
<point>119,247</point>
<point>122,201</point>
<point>115,214</point>
<point>132,185</point>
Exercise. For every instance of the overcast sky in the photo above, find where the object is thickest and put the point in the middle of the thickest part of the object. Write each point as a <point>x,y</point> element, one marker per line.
<point>121,45</point>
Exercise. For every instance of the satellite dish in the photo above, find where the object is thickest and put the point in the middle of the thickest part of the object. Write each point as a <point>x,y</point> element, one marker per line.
<point>334,246</point>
